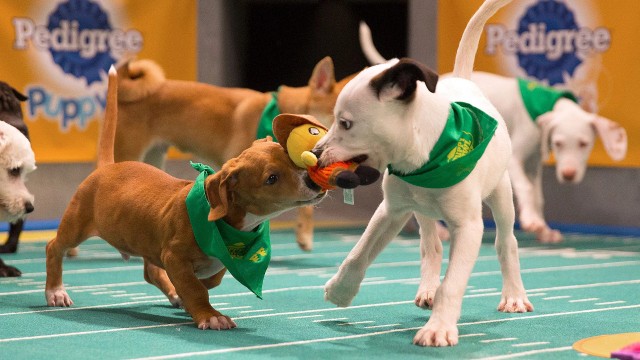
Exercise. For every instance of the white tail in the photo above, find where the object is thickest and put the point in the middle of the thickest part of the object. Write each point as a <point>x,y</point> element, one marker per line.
<point>368,48</point>
<point>468,46</point>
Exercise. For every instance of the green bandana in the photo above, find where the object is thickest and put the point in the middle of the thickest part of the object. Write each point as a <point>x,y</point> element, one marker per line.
<point>265,126</point>
<point>246,254</point>
<point>465,137</point>
<point>539,99</point>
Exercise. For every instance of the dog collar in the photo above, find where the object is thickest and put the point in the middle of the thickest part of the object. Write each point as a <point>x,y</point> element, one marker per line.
<point>463,140</point>
<point>539,99</point>
<point>265,125</point>
<point>246,254</point>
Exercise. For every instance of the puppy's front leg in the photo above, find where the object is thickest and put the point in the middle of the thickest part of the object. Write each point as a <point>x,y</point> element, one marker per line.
<point>382,228</point>
<point>304,228</point>
<point>194,295</point>
<point>430,261</point>
<point>441,329</point>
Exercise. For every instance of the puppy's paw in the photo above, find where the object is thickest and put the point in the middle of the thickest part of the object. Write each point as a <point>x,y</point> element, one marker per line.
<point>8,271</point>
<point>514,304</point>
<point>73,252</point>
<point>342,288</point>
<point>58,297</point>
<point>175,301</point>
<point>437,333</point>
<point>218,322</point>
<point>424,298</point>
<point>549,236</point>
<point>532,223</point>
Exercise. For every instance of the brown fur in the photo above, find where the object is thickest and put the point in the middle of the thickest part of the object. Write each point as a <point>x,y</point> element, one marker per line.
<point>140,210</point>
<point>214,123</point>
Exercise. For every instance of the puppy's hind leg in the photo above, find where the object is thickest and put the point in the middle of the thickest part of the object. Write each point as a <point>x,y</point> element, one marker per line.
<point>383,227</point>
<point>430,263</point>
<point>157,276</point>
<point>514,297</point>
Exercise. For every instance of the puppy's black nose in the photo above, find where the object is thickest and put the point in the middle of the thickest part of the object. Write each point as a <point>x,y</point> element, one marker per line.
<point>28,207</point>
<point>317,152</point>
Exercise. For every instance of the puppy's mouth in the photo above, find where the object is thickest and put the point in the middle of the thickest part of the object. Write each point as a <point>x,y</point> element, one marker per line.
<point>314,200</point>
<point>360,158</point>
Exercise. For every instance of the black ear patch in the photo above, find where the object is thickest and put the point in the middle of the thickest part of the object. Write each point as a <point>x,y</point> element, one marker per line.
<point>404,75</point>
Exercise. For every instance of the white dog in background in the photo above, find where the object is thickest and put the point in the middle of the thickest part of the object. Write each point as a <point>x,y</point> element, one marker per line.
<point>390,115</point>
<point>565,129</point>
<point>16,161</point>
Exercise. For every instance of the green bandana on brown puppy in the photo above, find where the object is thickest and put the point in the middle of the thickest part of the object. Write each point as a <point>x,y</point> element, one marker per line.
<point>246,254</point>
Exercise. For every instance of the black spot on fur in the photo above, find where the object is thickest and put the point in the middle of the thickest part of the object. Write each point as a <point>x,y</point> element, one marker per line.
<point>405,75</point>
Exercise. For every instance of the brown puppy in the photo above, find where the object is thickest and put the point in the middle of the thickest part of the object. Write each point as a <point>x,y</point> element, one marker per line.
<point>141,211</point>
<point>214,123</point>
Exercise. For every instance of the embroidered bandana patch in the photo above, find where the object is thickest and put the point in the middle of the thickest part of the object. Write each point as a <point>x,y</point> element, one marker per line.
<point>539,99</point>
<point>245,254</point>
<point>465,137</point>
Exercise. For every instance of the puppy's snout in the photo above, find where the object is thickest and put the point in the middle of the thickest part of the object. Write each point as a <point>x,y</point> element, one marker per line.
<point>569,174</point>
<point>28,207</point>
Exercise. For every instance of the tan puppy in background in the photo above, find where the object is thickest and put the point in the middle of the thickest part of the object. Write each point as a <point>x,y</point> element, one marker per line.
<point>211,122</point>
<point>140,210</point>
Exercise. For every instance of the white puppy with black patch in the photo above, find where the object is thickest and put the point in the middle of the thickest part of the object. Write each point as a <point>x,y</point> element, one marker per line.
<point>446,152</point>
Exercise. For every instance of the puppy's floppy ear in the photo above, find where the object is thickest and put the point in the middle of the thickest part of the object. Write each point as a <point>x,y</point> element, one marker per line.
<point>20,96</point>
<point>546,124</point>
<point>218,189</point>
<point>401,79</point>
<point>613,136</point>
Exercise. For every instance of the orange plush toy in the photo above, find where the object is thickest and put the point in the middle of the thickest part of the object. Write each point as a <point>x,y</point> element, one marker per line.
<point>298,134</point>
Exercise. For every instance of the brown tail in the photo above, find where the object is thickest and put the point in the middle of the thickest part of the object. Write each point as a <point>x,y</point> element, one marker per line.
<point>471,37</point>
<point>108,132</point>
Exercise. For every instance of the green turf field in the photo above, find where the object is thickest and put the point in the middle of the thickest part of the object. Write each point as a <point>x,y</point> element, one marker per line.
<point>586,286</point>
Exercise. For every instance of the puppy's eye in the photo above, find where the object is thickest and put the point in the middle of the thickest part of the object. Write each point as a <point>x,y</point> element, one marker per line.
<point>346,124</point>
<point>583,144</point>
<point>558,144</point>
<point>272,179</point>
<point>15,172</point>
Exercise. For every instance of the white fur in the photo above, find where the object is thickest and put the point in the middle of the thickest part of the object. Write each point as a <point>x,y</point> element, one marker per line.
<point>401,134</point>
<point>568,131</point>
<point>15,153</point>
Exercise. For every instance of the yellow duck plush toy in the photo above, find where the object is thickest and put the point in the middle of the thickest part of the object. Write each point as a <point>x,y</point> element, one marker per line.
<point>298,134</point>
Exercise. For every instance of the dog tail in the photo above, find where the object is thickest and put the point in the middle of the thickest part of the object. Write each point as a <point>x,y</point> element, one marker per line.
<point>139,79</point>
<point>471,37</point>
<point>108,132</point>
<point>368,48</point>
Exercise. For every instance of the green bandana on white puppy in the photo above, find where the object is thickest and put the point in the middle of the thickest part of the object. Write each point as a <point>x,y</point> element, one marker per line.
<point>246,254</point>
<point>539,99</point>
<point>463,140</point>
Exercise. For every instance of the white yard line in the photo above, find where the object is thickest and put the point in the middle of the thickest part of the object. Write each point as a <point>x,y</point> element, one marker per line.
<point>254,311</point>
<point>611,302</point>
<point>349,337</point>
<point>520,318</point>
<point>305,316</point>
<point>583,300</point>
<point>556,297</point>
<point>356,323</point>
<point>498,340</point>
<point>531,344</point>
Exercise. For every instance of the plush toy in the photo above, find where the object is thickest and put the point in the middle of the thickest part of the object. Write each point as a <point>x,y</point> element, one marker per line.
<point>298,134</point>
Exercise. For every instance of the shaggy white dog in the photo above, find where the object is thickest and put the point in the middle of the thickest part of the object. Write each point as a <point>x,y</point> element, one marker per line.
<point>16,161</point>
